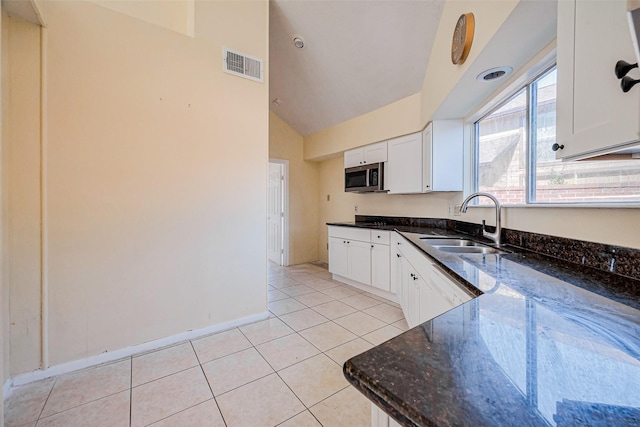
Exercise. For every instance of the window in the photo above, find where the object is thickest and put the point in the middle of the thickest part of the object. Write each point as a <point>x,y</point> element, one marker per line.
<point>514,160</point>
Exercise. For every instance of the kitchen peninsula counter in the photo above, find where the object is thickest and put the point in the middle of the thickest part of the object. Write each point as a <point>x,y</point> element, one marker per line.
<point>544,342</point>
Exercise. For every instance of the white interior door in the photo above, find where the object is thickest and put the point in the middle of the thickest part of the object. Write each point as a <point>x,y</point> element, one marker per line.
<point>275,213</point>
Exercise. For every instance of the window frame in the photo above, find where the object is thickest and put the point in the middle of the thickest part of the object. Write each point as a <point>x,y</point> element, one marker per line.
<point>512,89</point>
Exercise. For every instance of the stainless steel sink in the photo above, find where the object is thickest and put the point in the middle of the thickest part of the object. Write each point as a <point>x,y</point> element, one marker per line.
<point>478,249</point>
<point>460,246</point>
<point>449,242</point>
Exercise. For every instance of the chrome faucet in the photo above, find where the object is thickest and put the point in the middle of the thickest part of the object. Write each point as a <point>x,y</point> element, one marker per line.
<point>493,236</point>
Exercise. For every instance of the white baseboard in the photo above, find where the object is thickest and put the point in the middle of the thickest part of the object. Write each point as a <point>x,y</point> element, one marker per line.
<point>6,388</point>
<point>364,287</point>
<point>122,353</point>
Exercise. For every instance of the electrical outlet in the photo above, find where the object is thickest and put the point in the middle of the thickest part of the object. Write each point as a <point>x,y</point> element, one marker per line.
<point>355,208</point>
<point>456,210</point>
<point>450,209</point>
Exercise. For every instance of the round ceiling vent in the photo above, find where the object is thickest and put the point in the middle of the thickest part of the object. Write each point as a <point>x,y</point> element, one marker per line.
<point>494,74</point>
<point>298,42</point>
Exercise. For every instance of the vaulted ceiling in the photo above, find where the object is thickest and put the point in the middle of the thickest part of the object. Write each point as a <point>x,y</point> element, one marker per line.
<point>360,55</point>
<point>357,56</point>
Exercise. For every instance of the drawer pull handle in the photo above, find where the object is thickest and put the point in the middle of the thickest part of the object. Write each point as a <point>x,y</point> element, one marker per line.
<point>627,83</point>
<point>622,68</point>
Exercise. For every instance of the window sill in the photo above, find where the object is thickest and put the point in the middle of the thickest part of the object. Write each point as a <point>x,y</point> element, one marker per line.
<point>566,205</point>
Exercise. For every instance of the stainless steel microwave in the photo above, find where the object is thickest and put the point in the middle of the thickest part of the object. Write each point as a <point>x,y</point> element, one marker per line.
<point>364,179</point>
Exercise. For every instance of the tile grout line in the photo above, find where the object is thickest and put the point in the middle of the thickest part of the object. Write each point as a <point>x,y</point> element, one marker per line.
<point>55,380</point>
<point>82,404</point>
<point>213,396</point>
<point>307,408</point>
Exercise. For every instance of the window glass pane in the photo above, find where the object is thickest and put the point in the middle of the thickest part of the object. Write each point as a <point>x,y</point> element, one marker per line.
<point>502,156</point>
<point>578,181</point>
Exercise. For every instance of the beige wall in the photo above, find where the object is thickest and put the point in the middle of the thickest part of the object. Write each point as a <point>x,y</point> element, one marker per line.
<point>4,245</point>
<point>286,144</point>
<point>442,76</point>
<point>24,193</point>
<point>399,118</point>
<point>145,235</point>
<point>171,14</point>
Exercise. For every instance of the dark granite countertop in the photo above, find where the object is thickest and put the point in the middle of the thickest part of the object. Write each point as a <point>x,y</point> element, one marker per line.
<point>545,343</point>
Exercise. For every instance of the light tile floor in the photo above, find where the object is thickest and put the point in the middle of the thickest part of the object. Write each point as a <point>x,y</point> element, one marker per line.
<point>283,371</point>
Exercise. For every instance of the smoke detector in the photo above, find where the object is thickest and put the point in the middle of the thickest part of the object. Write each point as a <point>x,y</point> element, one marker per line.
<point>494,74</point>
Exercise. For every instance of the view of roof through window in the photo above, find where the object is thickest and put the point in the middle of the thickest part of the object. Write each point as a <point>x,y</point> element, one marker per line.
<point>503,140</point>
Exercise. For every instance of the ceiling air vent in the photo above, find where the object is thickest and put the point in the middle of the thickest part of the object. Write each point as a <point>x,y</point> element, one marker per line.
<point>243,65</point>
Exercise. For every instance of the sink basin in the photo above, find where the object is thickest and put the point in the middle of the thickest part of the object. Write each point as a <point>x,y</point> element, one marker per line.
<point>460,246</point>
<point>449,242</point>
<point>476,249</point>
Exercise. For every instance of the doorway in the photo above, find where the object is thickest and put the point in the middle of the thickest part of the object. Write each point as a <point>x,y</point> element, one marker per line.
<point>278,212</point>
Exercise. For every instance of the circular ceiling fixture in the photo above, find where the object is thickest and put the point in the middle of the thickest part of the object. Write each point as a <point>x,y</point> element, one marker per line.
<point>298,42</point>
<point>494,74</point>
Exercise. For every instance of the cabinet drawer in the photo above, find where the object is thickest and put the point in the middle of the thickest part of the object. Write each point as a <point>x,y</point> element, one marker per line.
<point>380,236</point>
<point>350,233</point>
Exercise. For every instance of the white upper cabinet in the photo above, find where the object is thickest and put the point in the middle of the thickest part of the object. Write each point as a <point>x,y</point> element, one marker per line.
<point>594,116</point>
<point>442,148</point>
<point>372,153</point>
<point>427,161</point>
<point>404,168</point>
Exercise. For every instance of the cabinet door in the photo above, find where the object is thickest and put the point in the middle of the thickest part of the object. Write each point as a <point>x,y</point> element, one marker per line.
<point>380,271</point>
<point>354,157</point>
<point>338,256</point>
<point>360,261</point>
<point>410,293</point>
<point>427,158</point>
<point>404,282</point>
<point>446,153</point>
<point>593,114</point>
<point>375,153</point>
<point>413,298</point>
<point>404,167</point>
<point>448,288</point>
<point>395,272</point>
<point>432,303</point>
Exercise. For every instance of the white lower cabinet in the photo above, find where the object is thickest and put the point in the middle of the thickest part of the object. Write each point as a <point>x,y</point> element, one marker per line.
<point>411,285</point>
<point>380,268</point>
<point>379,418</point>
<point>338,256</point>
<point>350,258</point>
<point>360,261</point>
<point>432,302</point>
<point>424,290</point>
<point>361,255</point>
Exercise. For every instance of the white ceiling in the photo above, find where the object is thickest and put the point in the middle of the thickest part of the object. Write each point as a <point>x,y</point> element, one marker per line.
<point>358,56</point>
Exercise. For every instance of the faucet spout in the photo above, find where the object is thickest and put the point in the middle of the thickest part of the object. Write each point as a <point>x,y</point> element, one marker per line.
<point>492,236</point>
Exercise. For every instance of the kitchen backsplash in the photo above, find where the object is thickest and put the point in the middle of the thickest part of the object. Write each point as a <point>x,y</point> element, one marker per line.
<point>613,259</point>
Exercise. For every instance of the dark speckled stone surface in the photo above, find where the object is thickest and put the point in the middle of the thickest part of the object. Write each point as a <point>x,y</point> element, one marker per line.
<point>546,343</point>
